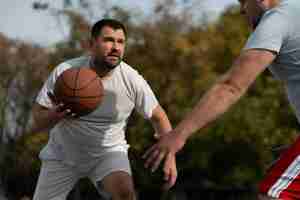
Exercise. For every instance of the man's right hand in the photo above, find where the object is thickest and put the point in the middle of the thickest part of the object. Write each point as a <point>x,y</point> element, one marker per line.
<point>59,111</point>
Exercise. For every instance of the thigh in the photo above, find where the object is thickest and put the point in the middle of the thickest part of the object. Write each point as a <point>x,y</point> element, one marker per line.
<point>283,178</point>
<point>112,174</point>
<point>55,181</point>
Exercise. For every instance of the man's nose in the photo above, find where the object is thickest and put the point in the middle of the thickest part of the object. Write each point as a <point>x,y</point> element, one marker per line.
<point>116,46</point>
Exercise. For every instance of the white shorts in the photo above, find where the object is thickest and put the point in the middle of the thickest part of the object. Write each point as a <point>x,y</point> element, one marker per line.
<point>57,179</point>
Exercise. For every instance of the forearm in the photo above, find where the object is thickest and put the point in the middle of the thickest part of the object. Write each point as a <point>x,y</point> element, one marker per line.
<point>160,122</point>
<point>43,119</point>
<point>226,91</point>
<point>213,104</point>
<point>42,122</point>
<point>162,127</point>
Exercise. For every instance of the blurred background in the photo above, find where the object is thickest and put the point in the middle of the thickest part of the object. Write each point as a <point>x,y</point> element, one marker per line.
<point>180,47</point>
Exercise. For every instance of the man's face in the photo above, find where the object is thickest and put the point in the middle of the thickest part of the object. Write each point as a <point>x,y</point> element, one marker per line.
<point>252,10</point>
<point>108,48</point>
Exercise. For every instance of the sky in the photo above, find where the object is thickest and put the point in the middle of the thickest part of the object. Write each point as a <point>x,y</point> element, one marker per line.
<point>19,21</point>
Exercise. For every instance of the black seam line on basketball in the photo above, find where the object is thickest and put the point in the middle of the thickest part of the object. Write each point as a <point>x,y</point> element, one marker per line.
<point>80,97</point>
<point>87,84</point>
<point>76,81</point>
<point>65,84</point>
<point>77,89</point>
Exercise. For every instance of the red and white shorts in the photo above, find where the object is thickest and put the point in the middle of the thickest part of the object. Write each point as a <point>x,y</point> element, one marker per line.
<point>283,178</point>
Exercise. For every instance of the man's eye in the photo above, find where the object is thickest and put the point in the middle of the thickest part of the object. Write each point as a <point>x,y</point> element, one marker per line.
<point>108,40</point>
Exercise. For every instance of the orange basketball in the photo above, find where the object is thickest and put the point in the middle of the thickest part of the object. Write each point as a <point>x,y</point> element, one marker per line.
<point>80,89</point>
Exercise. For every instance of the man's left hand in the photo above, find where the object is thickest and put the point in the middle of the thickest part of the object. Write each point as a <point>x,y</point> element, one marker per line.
<point>165,149</point>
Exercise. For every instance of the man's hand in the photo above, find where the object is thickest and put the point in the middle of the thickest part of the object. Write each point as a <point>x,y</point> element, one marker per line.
<point>59,111</point>
<point>45,118</point>
<point>165,149</point>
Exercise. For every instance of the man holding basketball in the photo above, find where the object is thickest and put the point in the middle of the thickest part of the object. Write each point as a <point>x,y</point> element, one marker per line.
<point>94,145</point>
<point>274,44</point>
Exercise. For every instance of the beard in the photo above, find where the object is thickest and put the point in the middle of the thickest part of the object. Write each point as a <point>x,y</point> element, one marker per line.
<point>106,65</point>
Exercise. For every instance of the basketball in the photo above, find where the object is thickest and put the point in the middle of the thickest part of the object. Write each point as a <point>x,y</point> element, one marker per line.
<point>79,89</point>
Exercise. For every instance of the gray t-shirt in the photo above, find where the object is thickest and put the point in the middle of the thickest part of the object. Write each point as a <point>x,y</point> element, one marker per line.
<point>88,137</point>
<point>279,31</point>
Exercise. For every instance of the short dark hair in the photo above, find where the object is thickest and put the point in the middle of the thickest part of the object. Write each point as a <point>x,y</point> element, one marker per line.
<point>115,24</point>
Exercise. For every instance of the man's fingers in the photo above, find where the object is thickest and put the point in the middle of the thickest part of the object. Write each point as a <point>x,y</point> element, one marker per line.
<point>167,167</point>
<point>148,152</point>
<point>63,113</point>
<point>151,157</point>
<point>172,178</point>
<point>157,160</point>
<point>170,172</point>
<point>61,107</point>
<point>169,183</point>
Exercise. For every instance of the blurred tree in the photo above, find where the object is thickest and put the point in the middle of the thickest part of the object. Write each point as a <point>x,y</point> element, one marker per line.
<point>23,67</point>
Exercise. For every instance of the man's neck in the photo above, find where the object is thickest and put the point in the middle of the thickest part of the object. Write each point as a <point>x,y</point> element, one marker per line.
<point>100,69</point>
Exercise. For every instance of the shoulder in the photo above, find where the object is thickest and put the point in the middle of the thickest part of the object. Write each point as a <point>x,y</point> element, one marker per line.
<point>132,77</point>
<point>78,62</point>
<point>284,11</point>
<point>276,23</point>
<point>129,72</point>
<point>71,63</point>
<point>124,67</point>
<point>272,16</point>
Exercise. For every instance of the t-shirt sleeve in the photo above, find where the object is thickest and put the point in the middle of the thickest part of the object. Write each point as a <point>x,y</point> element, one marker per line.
<point>42,97</point>
<point>271,32</point>
<point>145,99</point>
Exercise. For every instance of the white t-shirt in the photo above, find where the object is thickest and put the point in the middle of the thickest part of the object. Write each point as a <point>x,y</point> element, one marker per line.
<point>85,138</point>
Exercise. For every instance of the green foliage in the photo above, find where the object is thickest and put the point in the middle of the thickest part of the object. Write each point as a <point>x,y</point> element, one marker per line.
<point>20,166</point>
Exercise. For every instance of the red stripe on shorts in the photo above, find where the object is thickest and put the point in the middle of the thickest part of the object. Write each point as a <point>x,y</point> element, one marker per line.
<point>283,179</point>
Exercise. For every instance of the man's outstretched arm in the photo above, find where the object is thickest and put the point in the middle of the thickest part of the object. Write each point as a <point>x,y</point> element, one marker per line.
<point>224,93</point>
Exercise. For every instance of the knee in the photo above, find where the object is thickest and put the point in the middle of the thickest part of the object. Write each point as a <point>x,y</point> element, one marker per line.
<point>125,193</point>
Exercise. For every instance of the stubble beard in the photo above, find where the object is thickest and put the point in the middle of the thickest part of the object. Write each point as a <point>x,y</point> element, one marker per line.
<point>102,64</point>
